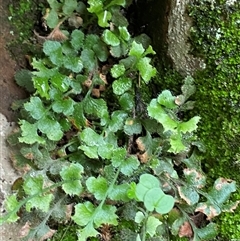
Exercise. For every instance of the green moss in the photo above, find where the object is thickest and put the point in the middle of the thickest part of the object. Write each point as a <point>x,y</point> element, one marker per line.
<point>66,233</point>
<point>24,15</point>
<point>215,37</point>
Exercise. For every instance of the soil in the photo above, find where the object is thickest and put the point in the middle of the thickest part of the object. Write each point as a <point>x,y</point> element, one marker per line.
<point>9,92</point>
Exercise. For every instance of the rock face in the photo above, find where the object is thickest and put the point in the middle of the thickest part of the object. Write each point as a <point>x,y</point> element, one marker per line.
<point>7,177</point>
<point>179,24</point>
<point>168,25</point>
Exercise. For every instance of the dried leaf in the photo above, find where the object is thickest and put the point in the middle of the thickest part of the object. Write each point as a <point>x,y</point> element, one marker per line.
<point>144,158</point>
<point>194,177</point>
<point>179,100</point>
<point>140,144</point>
<point>188,194</point>
<point>69,210</point>
<point>25,230</point>
<point>209,211</point>
<point>96,93</point>
<point>48,235</point>
<point>75,21</point>
<point>185,230</point>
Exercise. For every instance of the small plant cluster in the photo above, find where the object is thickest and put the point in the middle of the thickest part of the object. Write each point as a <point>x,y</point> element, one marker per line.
<point>95,156</point>
<point>215,38</point>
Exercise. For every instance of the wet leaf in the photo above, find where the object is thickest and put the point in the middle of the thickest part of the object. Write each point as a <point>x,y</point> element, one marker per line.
<point>121,85</point>
<point>117,70</point>
<point>110,38</point>
<point>124,34</point>
<point>147,71</point>
<point>103,18</point>
<point>136,50</point>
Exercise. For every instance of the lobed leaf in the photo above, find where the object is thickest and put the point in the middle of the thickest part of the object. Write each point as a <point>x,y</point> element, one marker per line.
<point>219,194</point>
<point>139,217</point>
<point>117,120</point>
<point>88,59</point>
<point>195,178</point>
<point>77,39</point>
<point>52,18</point>
<point>156,199</point>
<point>95,107</point>
<point>110,38</point>
<point>90,151</point>
<point>103,18</point>
<point>69,6</point>
<point>152,224</point>
<point>121,85</point>
<point>176,144</point>
<point>117,70</point>
<point>124,34</point>
<point>136,50</point>
<point>83,213</point>
<point>35,107</point>
<point>146,183</point>
<point>53,50</point>
<point>188,194</point>
<point>105,150</point>
<point>147,71</point>
<point>29,133</point>
<point>96,6</point>
<point>41,202</point>
<point>119,155</point>
<point>126,101</point>
<point>72,63</point>
<point>117,2</point>
<point>132,126</point>
<point>190,125</point>
<point>33,186</point>
<point>97,186</point>
<point>65,106</point>
<point>156,111</point>
<point>12,207</point>
<point>207,233</point>
<point>88,231</point>
<point>106,215</point>
<point>129,165</point>
<point>72,174</point>
<point>90,137</point>
<point>51,128</point>
<point>167,99</point>
<point>119,192</point>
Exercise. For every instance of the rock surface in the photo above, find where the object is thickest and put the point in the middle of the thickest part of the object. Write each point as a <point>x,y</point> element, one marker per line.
<point>179,24</point>
<point>7,177</point>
